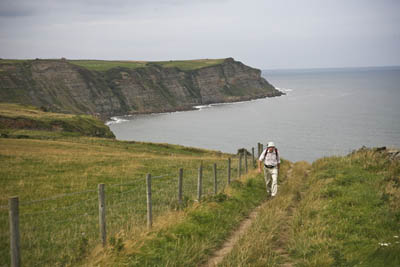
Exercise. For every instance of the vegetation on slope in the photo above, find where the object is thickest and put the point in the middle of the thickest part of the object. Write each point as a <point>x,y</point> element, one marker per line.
<point>190,237</point>
<point>23,121</point>
<point>104,65</point>
<point>56,180</point>
<point>345,212</point>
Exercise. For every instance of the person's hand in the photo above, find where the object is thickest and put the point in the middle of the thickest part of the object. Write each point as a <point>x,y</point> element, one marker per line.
<point>259,170</point>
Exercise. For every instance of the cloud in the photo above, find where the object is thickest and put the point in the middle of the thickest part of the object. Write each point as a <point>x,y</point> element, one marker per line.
<point>10,8</point>
<point>262,33</point>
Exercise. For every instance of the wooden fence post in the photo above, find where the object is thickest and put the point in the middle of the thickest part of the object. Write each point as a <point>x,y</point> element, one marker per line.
<point>258,150</point>
<point>199,182</point>
<point>180,182</point>
<point>245,161</point>
<point>102,214</point>
<point>229,170</point>
<point>149,204</point>
<point>215,179</point>
<point>240,165</point>
<point>252,158</point>
<point>14,231</point>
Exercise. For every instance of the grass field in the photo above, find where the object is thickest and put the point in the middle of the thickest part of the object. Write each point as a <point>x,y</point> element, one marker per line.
<point>21,121</point>
<point>6,61</point>
<point>344,212</point>
<point>63,174</point>
<point>104,65</point>
<point>338,211</point>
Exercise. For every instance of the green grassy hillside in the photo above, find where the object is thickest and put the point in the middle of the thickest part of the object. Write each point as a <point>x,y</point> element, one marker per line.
<point>24,121</point>
<point>56,180</point>
<point>340,211</point>
<point>104,65</point>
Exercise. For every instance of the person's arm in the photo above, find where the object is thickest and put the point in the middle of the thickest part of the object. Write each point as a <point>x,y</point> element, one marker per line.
<point>278,160</point>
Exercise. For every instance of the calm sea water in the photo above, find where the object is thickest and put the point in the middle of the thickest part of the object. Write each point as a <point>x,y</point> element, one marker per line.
<point>325,112</point>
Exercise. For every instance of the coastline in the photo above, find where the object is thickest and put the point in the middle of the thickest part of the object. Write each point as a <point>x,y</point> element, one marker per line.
<point>120,118</point>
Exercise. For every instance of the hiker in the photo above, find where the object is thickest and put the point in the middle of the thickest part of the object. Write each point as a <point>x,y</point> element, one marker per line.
<point>270,158</point>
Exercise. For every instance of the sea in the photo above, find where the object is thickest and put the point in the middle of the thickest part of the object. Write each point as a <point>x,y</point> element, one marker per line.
<point>325,112</point>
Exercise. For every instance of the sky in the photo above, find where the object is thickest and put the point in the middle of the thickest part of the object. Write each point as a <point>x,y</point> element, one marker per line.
<point>266,34</point>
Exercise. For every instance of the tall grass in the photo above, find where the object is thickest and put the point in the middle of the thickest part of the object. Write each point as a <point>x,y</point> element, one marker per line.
<point>190,237</point>
<point>64,230</point>
<point>351,212</point>
<point>345,212</point>
<point>267,241</point>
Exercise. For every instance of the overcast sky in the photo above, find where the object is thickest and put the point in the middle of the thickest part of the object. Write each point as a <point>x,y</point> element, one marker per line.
<point>265,34</point>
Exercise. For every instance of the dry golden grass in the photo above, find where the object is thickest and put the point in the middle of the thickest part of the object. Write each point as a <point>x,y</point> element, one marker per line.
<point>15,110</point>
<point>40,169</point>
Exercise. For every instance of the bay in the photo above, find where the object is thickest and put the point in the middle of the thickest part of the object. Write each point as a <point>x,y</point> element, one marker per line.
<point>324,112</point>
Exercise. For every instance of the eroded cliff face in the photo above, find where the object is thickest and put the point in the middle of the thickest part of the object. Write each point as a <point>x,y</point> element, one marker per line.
<point>64,87</point>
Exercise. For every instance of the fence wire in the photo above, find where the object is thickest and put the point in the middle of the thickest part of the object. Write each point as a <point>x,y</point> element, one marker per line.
<point>52,236</point>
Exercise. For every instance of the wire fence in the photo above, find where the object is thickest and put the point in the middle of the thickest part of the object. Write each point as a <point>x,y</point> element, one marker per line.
<point>64,230</point>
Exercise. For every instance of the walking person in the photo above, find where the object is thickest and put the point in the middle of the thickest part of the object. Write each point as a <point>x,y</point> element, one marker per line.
<point>270,158</point>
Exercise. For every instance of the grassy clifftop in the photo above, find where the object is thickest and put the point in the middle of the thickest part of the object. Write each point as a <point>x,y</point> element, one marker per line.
<point>104,65</point>
<point>20,120</point>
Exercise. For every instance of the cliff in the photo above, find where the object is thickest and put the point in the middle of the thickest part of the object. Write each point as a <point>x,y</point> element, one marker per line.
<point>70,87</point>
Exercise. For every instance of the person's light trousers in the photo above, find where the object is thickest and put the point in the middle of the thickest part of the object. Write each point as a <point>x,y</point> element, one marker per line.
<point>271,177</point>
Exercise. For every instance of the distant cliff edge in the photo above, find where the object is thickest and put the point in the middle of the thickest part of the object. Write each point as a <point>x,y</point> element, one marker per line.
<point>118,89</point>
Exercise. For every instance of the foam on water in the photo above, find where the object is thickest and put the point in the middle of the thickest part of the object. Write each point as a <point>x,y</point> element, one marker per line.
<point>115,120</point>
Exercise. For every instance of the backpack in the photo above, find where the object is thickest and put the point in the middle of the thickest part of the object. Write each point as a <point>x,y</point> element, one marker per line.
<point>266,152</point>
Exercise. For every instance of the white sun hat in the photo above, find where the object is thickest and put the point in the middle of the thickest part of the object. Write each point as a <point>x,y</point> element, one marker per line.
<point>271,144</point>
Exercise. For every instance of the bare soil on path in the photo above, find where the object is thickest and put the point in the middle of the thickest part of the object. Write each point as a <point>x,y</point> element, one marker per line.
<point>228,245</point>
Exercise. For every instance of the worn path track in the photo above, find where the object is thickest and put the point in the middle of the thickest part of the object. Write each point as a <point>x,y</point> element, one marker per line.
<point>228,245</point>
<point>219,255</point>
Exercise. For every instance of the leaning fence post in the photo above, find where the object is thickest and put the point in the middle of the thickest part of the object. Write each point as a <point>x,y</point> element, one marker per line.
<point>149,204</point>
<point>180,182</point>
<point>245,161</point>
<point>13,203</point>
<point>258,150</point>
<point>215,178</point>
<point>199,182</point>
<point>252,158</point>
<point>102,214</point>
<point>229,170</point>
<point>240,165</point>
